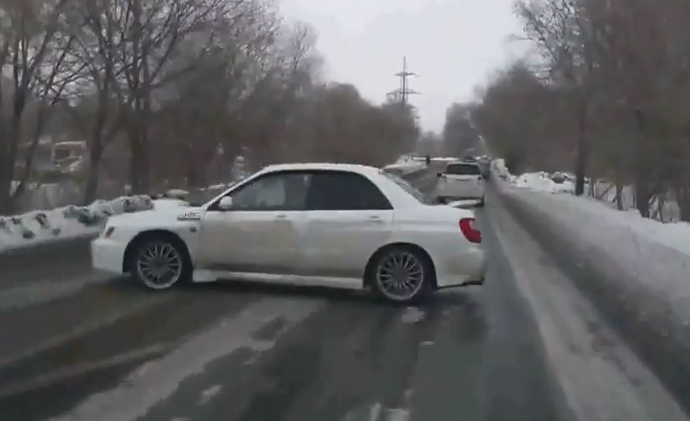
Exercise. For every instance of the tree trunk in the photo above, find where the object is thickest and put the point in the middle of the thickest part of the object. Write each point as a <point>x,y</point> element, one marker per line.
<point>139,170</point>
<point>642,197</point>
<point>93,173</point>
<point>6,176</point>
<point>683,200</point>
<point>642,188</point>
<point>138,164</point>
<point>619,196</point>
<point>582,152</point>
<point>8,159</point>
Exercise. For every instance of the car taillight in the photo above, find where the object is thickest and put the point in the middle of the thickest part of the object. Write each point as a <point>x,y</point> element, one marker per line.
<point>472,234</point>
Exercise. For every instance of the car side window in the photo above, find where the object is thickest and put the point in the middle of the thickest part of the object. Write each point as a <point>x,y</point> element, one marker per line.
<point>340,190</point>
<point>277,191</point>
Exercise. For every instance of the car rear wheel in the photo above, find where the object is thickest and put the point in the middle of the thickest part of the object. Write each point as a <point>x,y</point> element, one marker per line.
<point>159,264</point>
<point>401,275</point>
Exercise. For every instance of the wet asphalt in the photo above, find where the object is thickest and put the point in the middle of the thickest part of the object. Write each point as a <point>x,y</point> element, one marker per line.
<point>76,345</point>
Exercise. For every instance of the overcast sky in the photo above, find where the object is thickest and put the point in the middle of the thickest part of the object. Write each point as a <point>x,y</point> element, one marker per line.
<point>452,44</point>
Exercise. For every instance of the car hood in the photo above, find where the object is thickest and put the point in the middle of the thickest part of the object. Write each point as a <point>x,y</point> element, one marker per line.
<point>165,216</point>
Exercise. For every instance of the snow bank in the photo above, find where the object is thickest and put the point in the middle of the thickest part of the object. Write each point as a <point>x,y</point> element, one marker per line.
<point>498,167</point>
<point>645,258</point>
<point>675,235</point>
<point>66,222</point>
<point>544,182</point>
<point>406,164</point>
<point>656,254</point>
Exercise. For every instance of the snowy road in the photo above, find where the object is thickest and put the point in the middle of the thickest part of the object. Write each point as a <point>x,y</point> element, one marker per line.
<point>77,346</point>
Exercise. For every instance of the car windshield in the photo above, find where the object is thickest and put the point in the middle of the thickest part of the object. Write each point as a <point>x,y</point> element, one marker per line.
<point>421,197</point>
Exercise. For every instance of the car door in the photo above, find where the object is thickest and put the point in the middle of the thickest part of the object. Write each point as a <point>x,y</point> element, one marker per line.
<point>348,219</point>
<point>260,233</point>
<point>462,180</point>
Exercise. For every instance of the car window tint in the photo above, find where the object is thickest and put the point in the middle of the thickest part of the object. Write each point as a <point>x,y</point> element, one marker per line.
<point>339,190</point>
<point>463,169</point>
<point>280,191</point>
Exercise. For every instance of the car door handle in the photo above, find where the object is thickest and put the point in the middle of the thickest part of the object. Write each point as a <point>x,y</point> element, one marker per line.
<point>375,220</point>
<point>281,216</point>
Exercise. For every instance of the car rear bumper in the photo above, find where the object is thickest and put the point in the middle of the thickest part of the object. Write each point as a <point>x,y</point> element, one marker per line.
<point>107,255</point>
<point>468,269</point>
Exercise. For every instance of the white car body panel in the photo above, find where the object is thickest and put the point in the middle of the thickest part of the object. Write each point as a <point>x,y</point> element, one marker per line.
<point>461,186</point>
<point>359,234</point>
<point>328,248</point>
<point>268,240</point>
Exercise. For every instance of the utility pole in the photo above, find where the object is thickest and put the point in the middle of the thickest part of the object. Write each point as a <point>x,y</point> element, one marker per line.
<point>403,93</point>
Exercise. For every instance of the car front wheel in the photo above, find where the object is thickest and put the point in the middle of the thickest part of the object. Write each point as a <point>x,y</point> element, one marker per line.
<point>401,275</point>
<point>159,263</point>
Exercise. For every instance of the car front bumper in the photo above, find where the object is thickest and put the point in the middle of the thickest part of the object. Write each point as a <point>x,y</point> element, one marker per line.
<point>107,255</point>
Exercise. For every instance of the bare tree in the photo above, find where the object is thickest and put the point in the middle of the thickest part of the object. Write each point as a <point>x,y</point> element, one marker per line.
<point>609,92</point>
<point>35,38</point>
<point>176,91</point>
<point>459,133</point>
<point>563,38</point>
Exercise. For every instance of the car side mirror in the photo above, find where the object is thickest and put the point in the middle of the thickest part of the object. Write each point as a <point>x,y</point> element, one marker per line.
<point>225,203</point>
<point>439,175</point>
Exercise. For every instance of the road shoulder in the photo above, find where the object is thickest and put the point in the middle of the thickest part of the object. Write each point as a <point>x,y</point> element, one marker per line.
<point>600,378</point>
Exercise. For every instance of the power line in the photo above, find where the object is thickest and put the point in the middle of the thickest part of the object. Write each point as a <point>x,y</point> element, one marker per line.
<point>403,93</point>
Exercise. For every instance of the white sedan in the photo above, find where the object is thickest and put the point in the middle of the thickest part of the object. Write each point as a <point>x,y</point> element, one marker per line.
<point>336,225</point>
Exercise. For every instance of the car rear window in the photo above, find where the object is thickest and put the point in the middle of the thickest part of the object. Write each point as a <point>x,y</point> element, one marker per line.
<point>463,169</point>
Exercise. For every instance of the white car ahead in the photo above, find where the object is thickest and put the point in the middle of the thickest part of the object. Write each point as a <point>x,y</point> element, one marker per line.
<point>336,225</point>
<point>461,180</point>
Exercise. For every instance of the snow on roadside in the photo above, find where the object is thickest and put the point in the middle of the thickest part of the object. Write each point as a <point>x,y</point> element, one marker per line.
<point>35,227</point>
<point>675,235</point>
<point>498,167</point>
<point>406,164</point>
<point>655,254</point>
<point>66,222</point>
<point>543,182</point>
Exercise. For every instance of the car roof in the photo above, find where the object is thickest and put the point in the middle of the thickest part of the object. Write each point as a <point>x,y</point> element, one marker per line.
<point>327,166</point>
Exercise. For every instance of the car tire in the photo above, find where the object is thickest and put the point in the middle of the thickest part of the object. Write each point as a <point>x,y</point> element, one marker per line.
<point>158,263</point>
<point>407,264</point>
